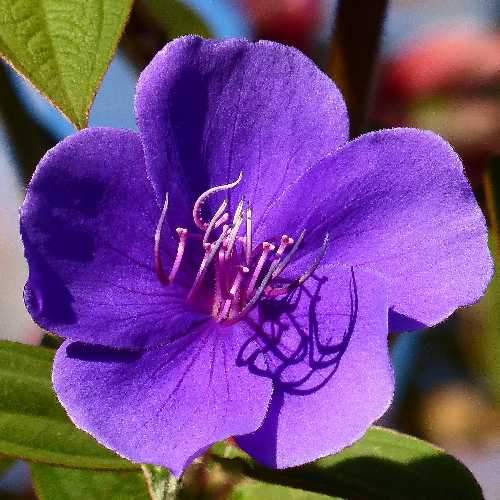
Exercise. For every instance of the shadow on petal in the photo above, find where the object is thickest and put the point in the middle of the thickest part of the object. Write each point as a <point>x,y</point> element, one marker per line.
<point>85,352</point>
<point>289,346</point>
<point>45,293</point>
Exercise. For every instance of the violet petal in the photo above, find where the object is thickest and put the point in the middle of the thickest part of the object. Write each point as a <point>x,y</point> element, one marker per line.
<point>325,399</point>
<point>162,406</point>
<point>88,224</point>
<point>208,110</point>
<point>397,202</point>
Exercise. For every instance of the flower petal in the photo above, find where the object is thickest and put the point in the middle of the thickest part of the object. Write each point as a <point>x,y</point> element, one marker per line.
<point>88,225</point>
<point>208,110</point>
<point>330,390</point>
<point>162,406</point>
<point>397,202</point>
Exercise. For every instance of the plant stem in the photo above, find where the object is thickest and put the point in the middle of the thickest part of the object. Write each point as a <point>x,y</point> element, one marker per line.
<point>353,55</point>
<point>161,484</point>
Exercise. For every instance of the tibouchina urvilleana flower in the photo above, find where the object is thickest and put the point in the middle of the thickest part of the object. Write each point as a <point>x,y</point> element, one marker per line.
<point>235,267</point>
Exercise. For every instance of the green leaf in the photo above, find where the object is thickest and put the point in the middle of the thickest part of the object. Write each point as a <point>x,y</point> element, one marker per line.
<point>177,19</point>
<point>162,485</point>
<point>383,465</point>
<point>33,425</point>
<point>63,47</point>
<point>58,483</point>
<point>489,306</point>
<point>250,489</point>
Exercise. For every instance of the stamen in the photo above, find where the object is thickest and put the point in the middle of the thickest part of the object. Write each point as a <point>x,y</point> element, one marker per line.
<point>214,220</point>
<point>266,248</point>
<point>218,291</point>
<point>232,293</point>
<point>316,262</point>
<point>183,233</point>
<point>273,292</point>
<point>211,250</point>
<point>284,262</point>
<point>232,254</point>
<point>259,291</point>
<point>157,253</point>
<point>239,210</point>
<point>285,242</point>
<point>203,198</point>
<point>248,238</point>
<point>221,256</point>
<point>237,281</point>
<point>222,220</point>
<point>221,269</point>
<point>225,228</point>
<point>237,221</point>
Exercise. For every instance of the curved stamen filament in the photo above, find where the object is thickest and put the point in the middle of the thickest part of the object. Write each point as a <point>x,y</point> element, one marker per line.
<point>204,196</point>
<point>157,253</point>
<point>183,234</point>
<point>216,218</point>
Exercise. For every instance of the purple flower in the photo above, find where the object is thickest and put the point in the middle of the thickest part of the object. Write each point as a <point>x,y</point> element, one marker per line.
<point>233,269</point>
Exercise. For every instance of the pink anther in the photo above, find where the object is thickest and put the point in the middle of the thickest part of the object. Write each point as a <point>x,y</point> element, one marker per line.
<point>286,241</point>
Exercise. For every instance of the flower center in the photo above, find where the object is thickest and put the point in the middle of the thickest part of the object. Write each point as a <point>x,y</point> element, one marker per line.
<point>242,273</point>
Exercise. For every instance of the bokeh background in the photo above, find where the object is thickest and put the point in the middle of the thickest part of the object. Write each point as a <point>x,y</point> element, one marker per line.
<point>438,68</point>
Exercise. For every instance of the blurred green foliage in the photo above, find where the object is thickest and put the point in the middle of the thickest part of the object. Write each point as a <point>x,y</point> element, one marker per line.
<point>33,425</point>
<point>57,483</point>
<point>176,18</point>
